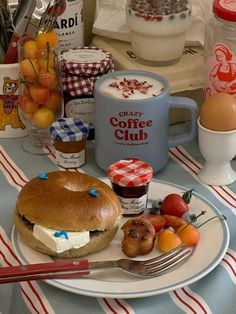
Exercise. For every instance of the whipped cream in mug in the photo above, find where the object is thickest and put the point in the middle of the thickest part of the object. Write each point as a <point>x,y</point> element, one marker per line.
<point>132,87</point>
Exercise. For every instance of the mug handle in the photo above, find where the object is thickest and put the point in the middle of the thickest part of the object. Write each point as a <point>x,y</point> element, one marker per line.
<point>191,105</point>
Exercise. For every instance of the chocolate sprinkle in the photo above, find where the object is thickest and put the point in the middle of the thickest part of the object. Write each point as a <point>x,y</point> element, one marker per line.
<point>148,9</point>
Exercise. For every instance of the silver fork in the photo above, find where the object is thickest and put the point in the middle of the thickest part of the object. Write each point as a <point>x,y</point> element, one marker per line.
<point>76,268</point>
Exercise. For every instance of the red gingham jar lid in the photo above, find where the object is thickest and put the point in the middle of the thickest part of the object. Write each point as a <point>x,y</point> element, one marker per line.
<point>78,85</point>
<point>130,172</point>
<point>225,10</point>
<point>86,61</point>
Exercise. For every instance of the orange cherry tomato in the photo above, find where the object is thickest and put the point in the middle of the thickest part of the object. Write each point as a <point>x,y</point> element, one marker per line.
<point>168,240</point>
<point>189,235</point>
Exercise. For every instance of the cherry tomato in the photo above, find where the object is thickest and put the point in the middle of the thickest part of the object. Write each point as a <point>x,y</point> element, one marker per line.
<point>189,235</point>
<point>174,221</point>
<point>157,221</point>
<point>173,204</point>
<point>168,240</point>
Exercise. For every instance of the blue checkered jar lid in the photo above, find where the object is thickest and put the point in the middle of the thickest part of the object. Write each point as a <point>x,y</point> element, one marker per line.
<point>69,130</point>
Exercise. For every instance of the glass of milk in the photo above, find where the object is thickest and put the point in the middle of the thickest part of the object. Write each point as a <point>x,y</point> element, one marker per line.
<point>158,29</point>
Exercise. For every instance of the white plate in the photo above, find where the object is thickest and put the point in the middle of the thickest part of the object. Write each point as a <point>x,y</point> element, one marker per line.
<point>116,284</point>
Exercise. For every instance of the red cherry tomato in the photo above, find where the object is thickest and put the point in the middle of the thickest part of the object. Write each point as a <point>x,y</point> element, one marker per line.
<point>174,221</point>
<point>173,204</point>
<point>157,221</point>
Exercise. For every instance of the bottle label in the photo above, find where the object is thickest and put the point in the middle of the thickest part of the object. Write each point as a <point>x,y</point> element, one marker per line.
<point>81,108</point>
<point>84,56</point>
<point>133,206</point>
<point>221,71</point>
<point>70,160</point>
<point>69,25</point>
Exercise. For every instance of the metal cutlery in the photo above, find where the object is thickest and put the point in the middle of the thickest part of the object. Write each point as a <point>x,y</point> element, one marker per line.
<point>6,28</point>
<point>76,268</point>
<point>19,31</point>
<point>49,16</point>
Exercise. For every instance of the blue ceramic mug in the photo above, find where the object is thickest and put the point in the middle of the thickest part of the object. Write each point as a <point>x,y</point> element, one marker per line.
<point>132,118</point>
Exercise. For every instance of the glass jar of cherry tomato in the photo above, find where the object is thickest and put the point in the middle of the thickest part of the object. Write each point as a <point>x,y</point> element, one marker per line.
<point>130,180</point>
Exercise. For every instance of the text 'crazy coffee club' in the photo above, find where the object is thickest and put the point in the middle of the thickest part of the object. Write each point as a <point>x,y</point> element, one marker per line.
<point>123,129</point>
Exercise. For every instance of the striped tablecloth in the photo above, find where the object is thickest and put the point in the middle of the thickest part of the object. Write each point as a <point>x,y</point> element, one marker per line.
<point>215,293</point>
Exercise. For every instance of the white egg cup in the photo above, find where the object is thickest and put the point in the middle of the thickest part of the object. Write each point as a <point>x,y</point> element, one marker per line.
<point>218,148</point>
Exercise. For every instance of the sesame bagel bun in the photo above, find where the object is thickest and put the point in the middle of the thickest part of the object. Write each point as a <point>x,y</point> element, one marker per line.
<point>63,201</point>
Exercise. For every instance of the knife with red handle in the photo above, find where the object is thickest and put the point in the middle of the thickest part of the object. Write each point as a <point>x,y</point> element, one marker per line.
<point>63,269</point>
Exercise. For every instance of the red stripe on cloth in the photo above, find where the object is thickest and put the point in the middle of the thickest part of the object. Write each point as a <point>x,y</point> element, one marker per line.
<point>38,297</point>
<point>230,266</point>
<point>221,196</point>
<point>230,195</point>
<point>23,291</point>
<point>13,179</point>
<point>4,258</point>
<point>29,300</point>
<point>122,306</point>
<point>10,249</point>
<point>212,187</point>
<point>50,151</point>
<point>15,170</point>
<point>194,299</point>
<point>184,302</point>
<point>193,162</point>
<point>28,282</point>
<point>190,160</point>
<point>231,255</point>
<point>109,306</point>
<point>176,156</point>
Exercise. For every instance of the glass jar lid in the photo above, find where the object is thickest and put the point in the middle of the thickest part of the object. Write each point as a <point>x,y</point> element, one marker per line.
<point>86,61</point>
<point>68,130</point>
<point>130,172</point>
<point>225,10</point>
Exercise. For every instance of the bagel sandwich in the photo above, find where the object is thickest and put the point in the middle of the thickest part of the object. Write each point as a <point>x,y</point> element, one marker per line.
<point>67,214</point>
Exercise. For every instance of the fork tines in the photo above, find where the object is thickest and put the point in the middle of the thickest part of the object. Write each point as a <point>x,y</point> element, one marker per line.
<point>167,261</point>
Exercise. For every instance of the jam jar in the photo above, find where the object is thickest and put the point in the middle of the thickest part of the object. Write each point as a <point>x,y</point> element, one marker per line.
<point>81,67</point>
<point>130,181</point>
<point>69,138</point>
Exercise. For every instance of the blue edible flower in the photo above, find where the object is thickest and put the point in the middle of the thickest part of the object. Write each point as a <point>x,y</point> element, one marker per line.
<point>43,176</point>
<point>93,193</point>
<point>61,233</point>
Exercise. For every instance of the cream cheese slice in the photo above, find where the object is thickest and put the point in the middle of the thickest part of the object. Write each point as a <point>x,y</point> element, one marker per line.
<point>60,244</point>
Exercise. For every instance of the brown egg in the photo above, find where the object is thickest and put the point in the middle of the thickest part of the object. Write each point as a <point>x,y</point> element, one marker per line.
<point>218,113</point>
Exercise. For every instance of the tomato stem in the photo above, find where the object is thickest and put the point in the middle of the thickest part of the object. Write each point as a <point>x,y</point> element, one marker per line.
<point>48,52</point>
<point>35,73</point>
<point>222,217</point>
<point>194,219</point>
<point>187,196</point>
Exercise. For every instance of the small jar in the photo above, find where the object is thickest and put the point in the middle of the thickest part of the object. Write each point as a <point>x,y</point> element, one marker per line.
<point>220,49</point>
<point>69,138</point>
<point>81,67</point>
<point>130,180</point>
